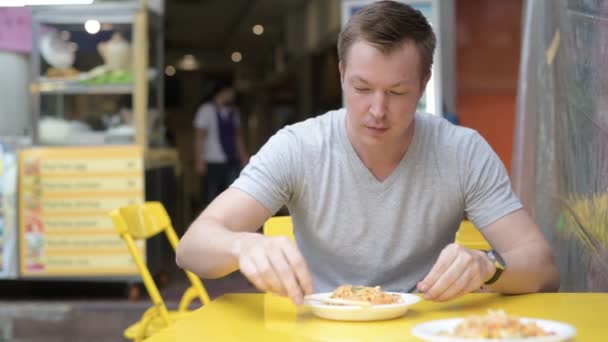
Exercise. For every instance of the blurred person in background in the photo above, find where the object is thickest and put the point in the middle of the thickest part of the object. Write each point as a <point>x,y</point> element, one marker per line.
<point>218,146</point>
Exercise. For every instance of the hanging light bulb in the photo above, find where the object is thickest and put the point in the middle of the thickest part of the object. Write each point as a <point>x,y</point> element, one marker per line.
<point>258,29</point>
<point>92,26</point>
<point>170,70</point>
<point>236,56</point>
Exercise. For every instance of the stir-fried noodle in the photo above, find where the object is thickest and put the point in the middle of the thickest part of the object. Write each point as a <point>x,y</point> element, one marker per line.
<point>374,295</point>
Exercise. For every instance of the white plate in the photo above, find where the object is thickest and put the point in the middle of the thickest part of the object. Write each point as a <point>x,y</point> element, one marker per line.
<point>430,331</point>
<point>360,313</point>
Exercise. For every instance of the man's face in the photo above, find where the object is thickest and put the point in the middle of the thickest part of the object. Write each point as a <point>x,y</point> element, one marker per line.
<point>227,96</point>
<point>381,92</point>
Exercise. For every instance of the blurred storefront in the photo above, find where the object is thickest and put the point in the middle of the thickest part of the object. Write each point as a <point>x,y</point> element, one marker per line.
<point>70,86</point>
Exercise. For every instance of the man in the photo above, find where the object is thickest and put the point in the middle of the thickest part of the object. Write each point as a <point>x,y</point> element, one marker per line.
<point>376,191</point>
<point>219,147</point>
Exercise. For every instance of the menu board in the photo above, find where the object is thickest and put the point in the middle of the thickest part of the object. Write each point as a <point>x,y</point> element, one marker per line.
<point>66,194</point>
<point>9,146</point>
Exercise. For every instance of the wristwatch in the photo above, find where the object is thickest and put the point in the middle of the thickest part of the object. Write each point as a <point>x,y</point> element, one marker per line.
<point>499,264</point>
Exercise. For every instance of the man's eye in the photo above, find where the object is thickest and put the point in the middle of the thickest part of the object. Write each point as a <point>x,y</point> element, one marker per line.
<point>397,93</point>
<point>361,90</point>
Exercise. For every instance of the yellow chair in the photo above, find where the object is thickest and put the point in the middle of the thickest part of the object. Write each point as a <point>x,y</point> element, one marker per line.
<point>279,226</point>
<point>467,235</point>
<point>140,222</point>
<point>470,237</point>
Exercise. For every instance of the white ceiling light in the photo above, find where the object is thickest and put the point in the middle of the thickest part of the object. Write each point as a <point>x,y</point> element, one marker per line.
<point>92,26</point>
<point>236,56</point>
<point>188,62</point>
<point>170,70</point>
<point>258,29</point>
<point>17,3</point>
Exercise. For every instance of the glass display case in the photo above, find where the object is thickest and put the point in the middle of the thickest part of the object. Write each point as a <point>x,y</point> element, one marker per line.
<point>97,74</point>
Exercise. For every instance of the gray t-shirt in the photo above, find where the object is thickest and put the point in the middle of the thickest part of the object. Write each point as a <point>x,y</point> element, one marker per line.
<point>352,228</point>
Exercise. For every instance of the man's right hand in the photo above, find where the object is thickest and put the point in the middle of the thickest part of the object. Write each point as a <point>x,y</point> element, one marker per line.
<point>274,264</point>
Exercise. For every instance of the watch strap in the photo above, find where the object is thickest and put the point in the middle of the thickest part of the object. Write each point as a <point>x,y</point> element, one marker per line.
<point>494,277</point>
<point>498,264</point>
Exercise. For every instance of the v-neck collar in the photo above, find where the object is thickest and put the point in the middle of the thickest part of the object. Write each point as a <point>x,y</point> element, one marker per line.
<point>362,172</point>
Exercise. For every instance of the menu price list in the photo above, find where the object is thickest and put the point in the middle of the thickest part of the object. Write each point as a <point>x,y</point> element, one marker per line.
<point>65,196</point>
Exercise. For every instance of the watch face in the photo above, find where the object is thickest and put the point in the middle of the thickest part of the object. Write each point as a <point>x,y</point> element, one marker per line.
<point>494,255</point>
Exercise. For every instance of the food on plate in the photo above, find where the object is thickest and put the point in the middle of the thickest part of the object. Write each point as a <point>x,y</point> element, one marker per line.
<point>497,324</point>
<point>374,295</point>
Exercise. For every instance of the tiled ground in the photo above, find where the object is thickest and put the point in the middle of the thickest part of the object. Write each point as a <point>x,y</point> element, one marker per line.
<point>72,312</point>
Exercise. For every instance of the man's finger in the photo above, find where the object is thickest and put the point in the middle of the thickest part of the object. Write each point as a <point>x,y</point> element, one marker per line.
<point>445,259</point>
<point>458,283</point>
<point>463,275</point>
<point>445,281</point>
<point>286,275</point>
<point>267,273</point>
<point>249,270</point>
<point>299,266</point>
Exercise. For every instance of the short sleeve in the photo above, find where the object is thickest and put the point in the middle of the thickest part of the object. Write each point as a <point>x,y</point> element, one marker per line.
<point>273,174</point>
<point>487,189</point>
<point>202,120</point>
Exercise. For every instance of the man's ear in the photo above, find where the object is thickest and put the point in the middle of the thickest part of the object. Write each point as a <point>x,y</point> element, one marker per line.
<point>341,69</point>
<point>425,80</point>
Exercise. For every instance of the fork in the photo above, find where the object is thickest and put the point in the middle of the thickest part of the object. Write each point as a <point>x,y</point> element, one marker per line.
<point>338,301</point>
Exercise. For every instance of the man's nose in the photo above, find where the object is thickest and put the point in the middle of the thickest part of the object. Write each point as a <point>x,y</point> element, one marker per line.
<point>378,106</point>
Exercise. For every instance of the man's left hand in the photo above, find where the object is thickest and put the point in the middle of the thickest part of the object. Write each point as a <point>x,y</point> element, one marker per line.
<point>457,271</point>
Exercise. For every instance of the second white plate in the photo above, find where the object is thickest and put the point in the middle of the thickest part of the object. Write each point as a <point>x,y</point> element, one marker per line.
<point>430,331</point>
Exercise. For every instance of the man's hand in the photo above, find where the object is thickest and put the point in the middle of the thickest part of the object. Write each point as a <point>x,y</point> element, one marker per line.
<point>201,167</point>
<point>457,271</point>
<point>274,264</point>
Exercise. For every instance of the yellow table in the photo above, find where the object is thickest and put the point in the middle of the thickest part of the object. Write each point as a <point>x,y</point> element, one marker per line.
<point>265,317</point>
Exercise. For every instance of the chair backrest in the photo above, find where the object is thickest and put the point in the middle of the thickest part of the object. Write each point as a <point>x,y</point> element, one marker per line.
<point>124,231</point>
<point>279,226</point>
<point>470,237</point>
<point>467,235</point>
<point>145,220</point>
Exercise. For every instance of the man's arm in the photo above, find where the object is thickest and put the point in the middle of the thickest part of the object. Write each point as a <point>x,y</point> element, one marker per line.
<point>208,246</point>
<point>199,147</point>
<point>530,263</point>
<point>223,239</point>
<point>240,145</point>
